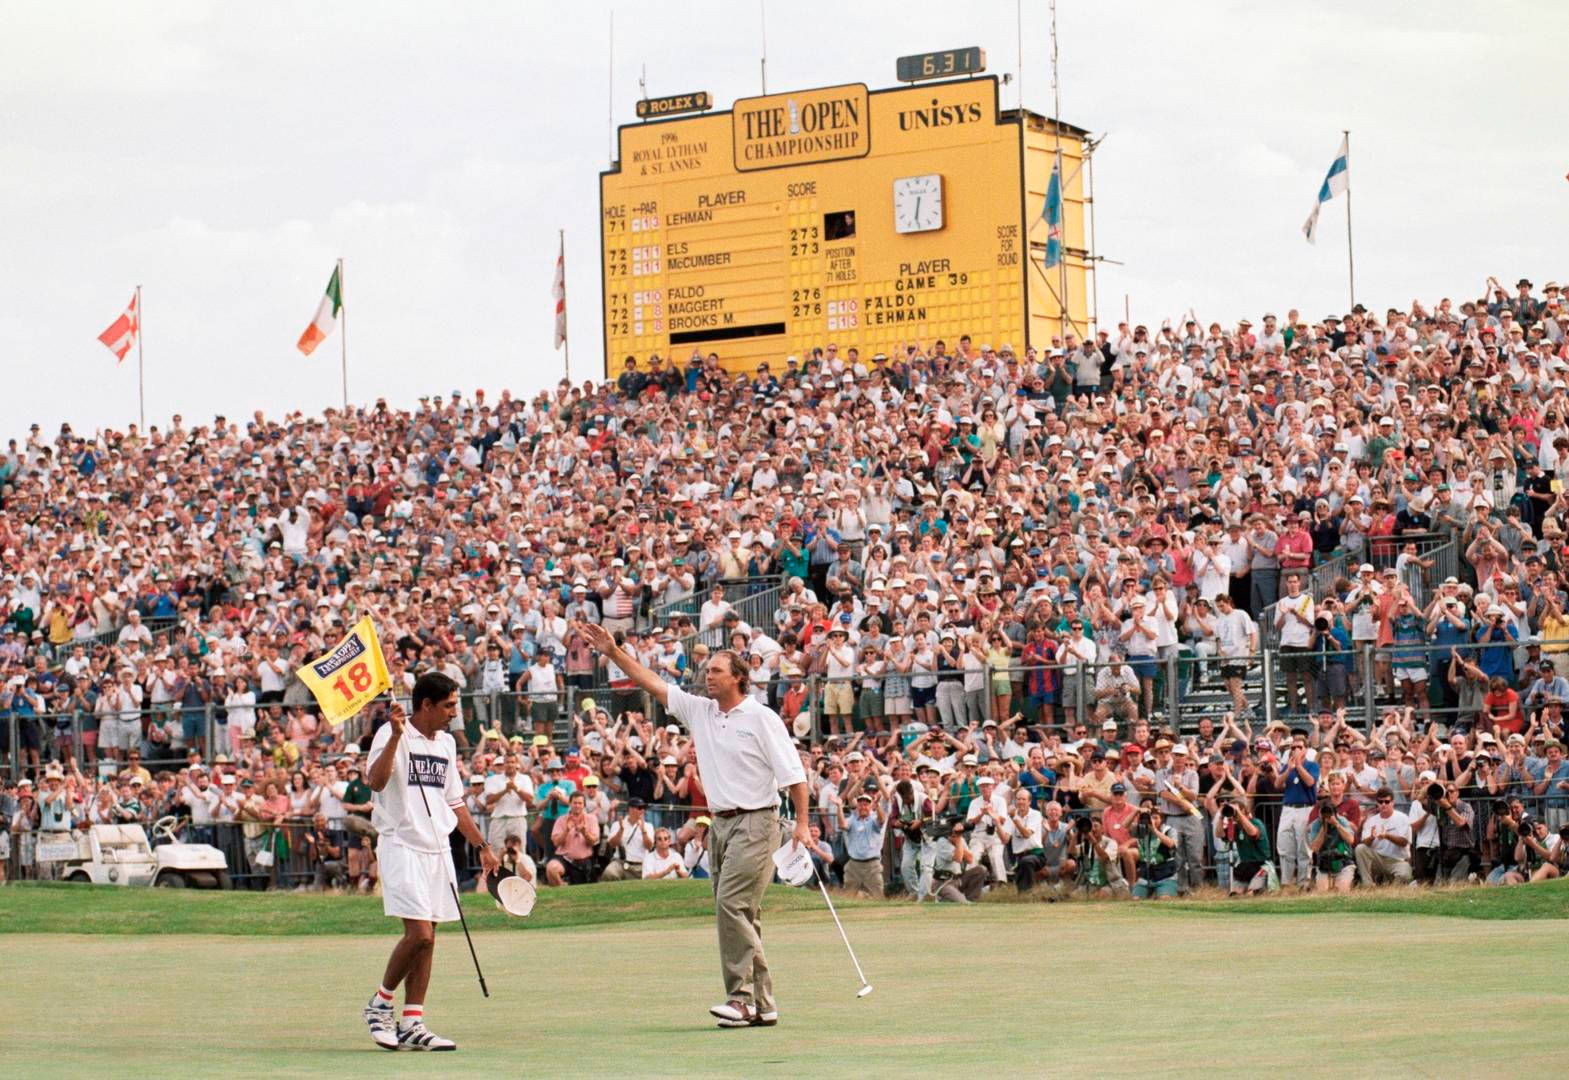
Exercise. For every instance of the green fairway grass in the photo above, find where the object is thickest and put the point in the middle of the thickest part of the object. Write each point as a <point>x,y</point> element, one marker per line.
<point>107,909</point>
<point>84,909</point>
<point>1024,989</point>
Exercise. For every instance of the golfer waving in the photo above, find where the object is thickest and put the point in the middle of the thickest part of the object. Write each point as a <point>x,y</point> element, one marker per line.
<point>745,757</point>
<point>418,800</point>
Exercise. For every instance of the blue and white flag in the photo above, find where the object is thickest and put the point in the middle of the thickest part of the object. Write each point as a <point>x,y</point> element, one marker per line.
<point>1337,182</point>
<point>1051,213</point>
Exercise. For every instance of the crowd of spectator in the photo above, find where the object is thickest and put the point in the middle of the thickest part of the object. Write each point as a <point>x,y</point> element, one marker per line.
<point>986,559</point>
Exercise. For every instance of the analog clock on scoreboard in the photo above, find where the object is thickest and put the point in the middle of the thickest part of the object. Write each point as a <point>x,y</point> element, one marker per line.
<point>917,203</point>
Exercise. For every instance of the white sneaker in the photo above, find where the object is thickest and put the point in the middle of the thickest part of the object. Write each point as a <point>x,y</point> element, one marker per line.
<point>417,1036</point>
<point>739,1014</point>
<point>383,1025</point>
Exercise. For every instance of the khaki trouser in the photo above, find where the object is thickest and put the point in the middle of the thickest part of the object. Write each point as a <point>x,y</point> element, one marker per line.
<point>508,825</point>
<point>1377,869</point>
<point>864,876</point>
<point>741,854</point>
<point>621,870</point>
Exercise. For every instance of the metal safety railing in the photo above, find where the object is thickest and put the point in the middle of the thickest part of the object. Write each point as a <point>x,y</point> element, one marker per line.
<point>1181,688</point>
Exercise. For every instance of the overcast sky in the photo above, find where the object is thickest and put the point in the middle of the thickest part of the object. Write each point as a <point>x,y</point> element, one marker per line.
<point>223,156</point>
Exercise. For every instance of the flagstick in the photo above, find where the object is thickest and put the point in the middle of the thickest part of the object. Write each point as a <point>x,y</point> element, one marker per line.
<point>1351,264</point>
<point>141,383</point>
<point>566,339</point>
<point>343,336</point>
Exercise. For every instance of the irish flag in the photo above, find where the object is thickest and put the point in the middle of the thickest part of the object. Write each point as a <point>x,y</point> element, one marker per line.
<point>326,314</point>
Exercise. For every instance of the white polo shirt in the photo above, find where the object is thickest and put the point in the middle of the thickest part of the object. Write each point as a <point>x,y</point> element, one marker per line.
<point>399,813</point>
<point>509,805</point>
<point>744,754</point>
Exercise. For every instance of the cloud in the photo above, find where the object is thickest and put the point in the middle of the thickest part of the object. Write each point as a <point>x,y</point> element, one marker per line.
<point>224,157</point>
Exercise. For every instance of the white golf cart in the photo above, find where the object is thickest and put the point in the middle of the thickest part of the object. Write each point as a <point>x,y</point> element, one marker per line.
<point>121,855</point>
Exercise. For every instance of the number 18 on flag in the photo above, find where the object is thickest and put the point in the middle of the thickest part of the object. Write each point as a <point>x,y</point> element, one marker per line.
<point>350,676</point>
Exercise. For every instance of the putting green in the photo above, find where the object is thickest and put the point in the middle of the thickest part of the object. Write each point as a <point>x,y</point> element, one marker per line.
<point>1033,990</point>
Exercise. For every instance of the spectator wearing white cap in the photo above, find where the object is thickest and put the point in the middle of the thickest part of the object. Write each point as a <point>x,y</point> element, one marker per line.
<point>864,830</point>
<point>987,821</point>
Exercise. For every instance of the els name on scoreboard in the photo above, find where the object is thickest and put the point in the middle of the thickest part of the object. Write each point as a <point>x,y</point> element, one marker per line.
<point>874,218</point>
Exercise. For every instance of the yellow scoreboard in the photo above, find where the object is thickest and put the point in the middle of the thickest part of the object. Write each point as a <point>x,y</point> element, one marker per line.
<point>874,219</point>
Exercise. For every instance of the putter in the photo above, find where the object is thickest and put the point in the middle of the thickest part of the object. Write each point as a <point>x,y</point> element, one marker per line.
<point>866,987</point>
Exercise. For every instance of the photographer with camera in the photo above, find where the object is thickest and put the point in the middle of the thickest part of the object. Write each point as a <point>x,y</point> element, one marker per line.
<point>914,811</point>
<point>1384,855</point>
<point>1333,824</point>
<point>1156,855</point>
<point>1426,815</point>
<point>629,843</point>
<point>1456,834</point>
<point>1543,853</point>
<point>1244,837</point>
<point>1510,821</point>
<point>957,874</point>
<point>1097,853</point>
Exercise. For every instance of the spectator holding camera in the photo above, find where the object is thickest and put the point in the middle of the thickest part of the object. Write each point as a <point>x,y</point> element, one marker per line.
<point>1334,823</point>
<point>1542,854</point>
<point>1452,822</point>
<point>1510,822</point>
<point>957,875</point>
<point>1156,850</point>
<point>1102,859</point>
<point>1248,844</point>
<point>629,842</point>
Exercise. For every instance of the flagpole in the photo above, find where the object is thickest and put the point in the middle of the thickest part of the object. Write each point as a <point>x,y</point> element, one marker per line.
<point>1062,194</point>
<point>1351,263</point>
<point>141,384</point>
<point>343,336</point>
<point>566,338</point>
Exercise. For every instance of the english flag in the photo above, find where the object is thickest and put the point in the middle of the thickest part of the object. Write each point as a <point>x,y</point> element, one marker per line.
<point>121,334</point>
<point>559,291</point>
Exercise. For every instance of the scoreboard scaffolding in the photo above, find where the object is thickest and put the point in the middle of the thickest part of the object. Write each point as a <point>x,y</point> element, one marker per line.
<point>874,219</point>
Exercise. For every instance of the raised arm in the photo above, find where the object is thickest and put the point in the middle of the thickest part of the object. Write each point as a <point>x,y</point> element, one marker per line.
<point>603,642</point>
<point>381,768</point>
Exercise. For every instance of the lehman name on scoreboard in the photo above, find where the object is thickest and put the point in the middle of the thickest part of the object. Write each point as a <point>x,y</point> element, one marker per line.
<point>878,219</point>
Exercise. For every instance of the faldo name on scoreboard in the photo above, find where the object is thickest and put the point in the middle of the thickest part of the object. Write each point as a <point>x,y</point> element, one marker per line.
<point>879,219</point>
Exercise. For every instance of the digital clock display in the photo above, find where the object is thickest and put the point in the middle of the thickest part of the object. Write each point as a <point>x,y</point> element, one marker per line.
<point>941,65</point>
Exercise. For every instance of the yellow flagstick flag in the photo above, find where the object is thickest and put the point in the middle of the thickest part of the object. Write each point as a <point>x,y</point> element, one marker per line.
<point>350,676</point>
